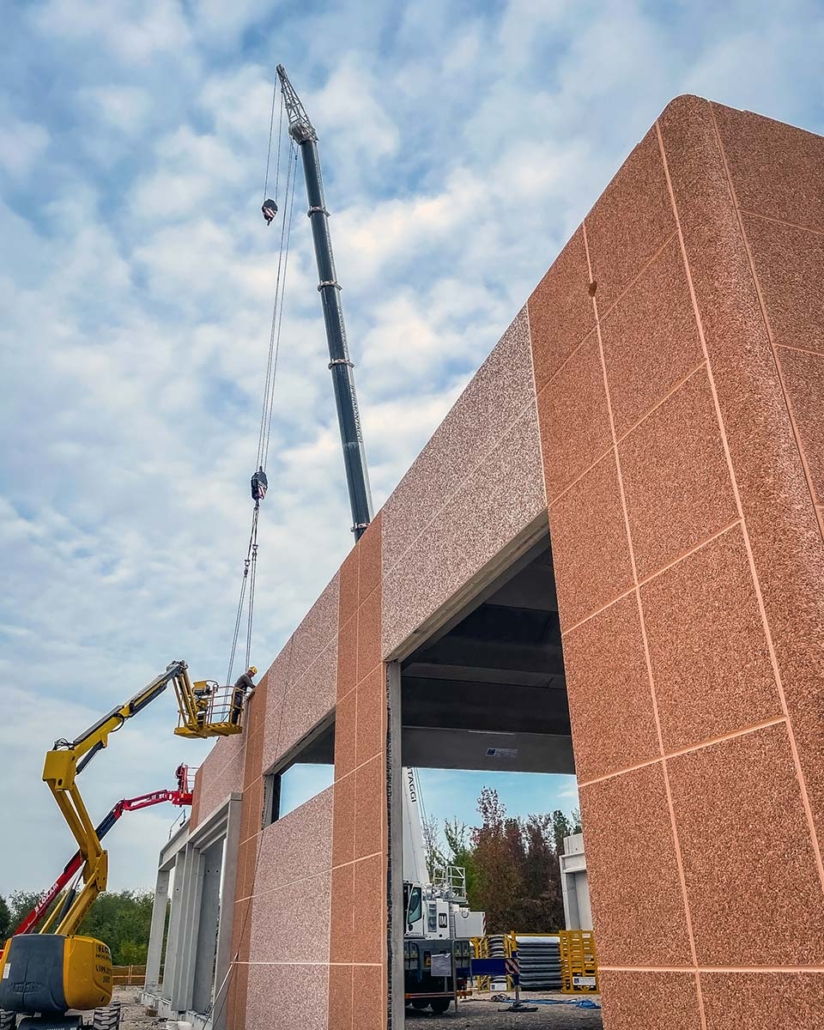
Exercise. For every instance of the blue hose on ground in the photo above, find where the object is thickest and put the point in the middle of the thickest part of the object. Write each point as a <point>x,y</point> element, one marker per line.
<point>584,1003</point>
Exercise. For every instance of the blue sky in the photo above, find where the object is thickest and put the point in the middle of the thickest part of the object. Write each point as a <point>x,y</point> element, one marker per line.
<point>462,143</point>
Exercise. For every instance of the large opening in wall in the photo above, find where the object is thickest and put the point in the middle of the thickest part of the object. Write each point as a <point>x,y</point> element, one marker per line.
<point>488,784</point>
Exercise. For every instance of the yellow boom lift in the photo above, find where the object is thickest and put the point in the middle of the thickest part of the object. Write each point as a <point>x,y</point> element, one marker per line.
<point>43,975</point>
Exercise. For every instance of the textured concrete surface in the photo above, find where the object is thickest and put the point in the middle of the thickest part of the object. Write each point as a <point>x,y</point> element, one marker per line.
<point>772,170</point>
<point>665,382</point>
<point>483,515</point>
<point>560,311</point>
<point>763,1001</point>
<point>589,544</point>
<point>496,396</point>
<point>287,996</point>
<point>760,828</point>
<point>298,846</point>
<point>357,921</point>
<point>291,923</point>
<point>709,656</point>
<point>219,775</point>
<point>574,418</point>
<point>650,347</point>
<point>710,340</point>
<point>610,701</point>
<point>803,376</point>
<point>651,1001</point>
<point>303,678</point>
<point>637,901</point>
<point>675,476</point>
<point>629,225</point>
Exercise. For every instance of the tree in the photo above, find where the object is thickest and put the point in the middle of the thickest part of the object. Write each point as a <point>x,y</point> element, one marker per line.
<point>429,830</point>
<point>5,920</point>
<point>22,902</point>
<point>512,864</point>
<point>561,827</point>
<point>541,906</point>
<point>495,852</point>
<point>122,920</point>
<point>457,836</point>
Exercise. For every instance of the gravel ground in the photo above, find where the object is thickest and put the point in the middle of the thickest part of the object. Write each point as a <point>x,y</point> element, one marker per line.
<point>487,1015</point>
<point>472,1014</point>
<point>133,1015</point>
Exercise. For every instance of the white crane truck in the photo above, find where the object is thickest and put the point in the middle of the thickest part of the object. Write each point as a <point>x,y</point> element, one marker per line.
<point>439,924</point>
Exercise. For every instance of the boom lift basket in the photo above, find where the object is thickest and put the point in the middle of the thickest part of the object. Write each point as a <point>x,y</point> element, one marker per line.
<point>207,709</point>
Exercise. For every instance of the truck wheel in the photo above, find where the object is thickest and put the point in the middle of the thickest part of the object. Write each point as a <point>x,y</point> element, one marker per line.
<point>419,1003</point>
<point>8,1020</point>
<point>107,1018</point>
<point>440,1005</point>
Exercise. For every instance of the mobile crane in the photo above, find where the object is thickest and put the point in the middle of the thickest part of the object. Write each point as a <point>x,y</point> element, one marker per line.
<point>435,912</point>
<point>45,974</point>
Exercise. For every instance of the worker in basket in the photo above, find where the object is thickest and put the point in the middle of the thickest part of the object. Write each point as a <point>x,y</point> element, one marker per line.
<point>260,484</point>
<point>269,209</point>
<point>243,684</point>
<point>203,699</point>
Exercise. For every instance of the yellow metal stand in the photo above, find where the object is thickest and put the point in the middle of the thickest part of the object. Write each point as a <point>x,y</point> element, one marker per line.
<point>579,962</point>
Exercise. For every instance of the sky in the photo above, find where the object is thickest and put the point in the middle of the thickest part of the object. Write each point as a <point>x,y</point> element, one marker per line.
<point>462,143</point>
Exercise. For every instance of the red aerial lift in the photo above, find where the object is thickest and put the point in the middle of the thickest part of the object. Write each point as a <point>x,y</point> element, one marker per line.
<point>181,796</point>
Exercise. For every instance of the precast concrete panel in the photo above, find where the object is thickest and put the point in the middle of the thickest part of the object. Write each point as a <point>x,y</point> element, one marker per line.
<point>658,402</point>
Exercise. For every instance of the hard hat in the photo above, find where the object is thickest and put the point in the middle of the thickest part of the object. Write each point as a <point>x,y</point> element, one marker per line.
<point>253,670</point>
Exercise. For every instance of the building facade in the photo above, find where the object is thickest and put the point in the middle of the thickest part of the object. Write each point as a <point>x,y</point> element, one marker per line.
<point>609,559</point>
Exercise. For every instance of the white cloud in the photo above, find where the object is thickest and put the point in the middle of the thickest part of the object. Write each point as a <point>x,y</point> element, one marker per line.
<point>21,144</point>
<point>131,31</point>
<point>136,283</point>
<point>125,109</point>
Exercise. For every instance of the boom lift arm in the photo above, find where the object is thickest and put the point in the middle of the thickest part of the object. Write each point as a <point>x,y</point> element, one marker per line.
<point>51,972</point>
<point>68,758</point>
<point>72,867</point>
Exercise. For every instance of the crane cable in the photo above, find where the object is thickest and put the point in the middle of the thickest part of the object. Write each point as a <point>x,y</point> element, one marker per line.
<point>264,431</point>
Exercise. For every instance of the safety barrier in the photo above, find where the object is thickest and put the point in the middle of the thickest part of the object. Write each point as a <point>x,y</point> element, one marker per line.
<point>565,961</point>
<point>129,976</point>
<point>579,962</point>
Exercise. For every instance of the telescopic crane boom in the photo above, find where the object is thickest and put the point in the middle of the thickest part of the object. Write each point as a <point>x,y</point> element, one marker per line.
<point>354,456</point>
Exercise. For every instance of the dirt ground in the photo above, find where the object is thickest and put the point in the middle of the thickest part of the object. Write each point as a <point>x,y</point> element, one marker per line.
<point>487,1015</point>
<point>132,1015</point>
<point>472,1014</point>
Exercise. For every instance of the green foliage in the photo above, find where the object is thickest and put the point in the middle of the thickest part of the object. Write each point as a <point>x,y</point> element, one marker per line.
<point>122,920</point>
<point>561,827</point>
<point>5,919</point>
<point>22,902</point>
<point>512,865</point>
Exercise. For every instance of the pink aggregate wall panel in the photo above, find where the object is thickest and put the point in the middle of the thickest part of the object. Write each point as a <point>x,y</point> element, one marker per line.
<point>219,776</point>
<point>455,510</point>
<point>681,454</point>
<point>660,398</point>
<point>358,938</point>
<point>303,677</point>
<point>289,919</point>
